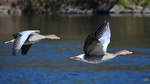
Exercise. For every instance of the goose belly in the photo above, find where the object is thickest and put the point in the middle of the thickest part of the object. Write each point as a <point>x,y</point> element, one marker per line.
<point>108,56</point>
<point>34,39</point>
<point>30,42</point>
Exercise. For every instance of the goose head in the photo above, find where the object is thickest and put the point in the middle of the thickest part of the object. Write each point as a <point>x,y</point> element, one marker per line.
<point>124,52</point>
<point>52,37</point>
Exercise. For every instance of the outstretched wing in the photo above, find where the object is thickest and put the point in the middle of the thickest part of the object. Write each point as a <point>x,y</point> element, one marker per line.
<point>93,45</point>
<point>20,39</point>
<point>105,37</point>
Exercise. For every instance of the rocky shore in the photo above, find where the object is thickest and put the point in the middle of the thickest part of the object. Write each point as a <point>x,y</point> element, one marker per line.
<point>115,10</point>
<point>131,9</point>
<point>65,8</point>
<point>8,10</point>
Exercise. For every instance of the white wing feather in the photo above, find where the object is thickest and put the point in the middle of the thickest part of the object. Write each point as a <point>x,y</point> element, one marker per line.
<point>105,38</point>
<point>24,36</point>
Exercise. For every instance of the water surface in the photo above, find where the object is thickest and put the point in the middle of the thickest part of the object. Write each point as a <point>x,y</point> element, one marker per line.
<point>48,62</point>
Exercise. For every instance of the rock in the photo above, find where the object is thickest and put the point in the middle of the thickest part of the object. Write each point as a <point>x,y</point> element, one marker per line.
<point>118,9</point>
<point>75,11</point>
<point>89,12</point>
<point>146,10</point>
<point>5,9</point>
<point>115,9</point>
<point>15,11</point>
<point>9,10</point>
<point>130,9</point>
<point>136,9</point>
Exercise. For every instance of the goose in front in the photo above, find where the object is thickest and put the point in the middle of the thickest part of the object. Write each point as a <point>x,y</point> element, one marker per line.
<point>95,47</point>
<point>24,40</point>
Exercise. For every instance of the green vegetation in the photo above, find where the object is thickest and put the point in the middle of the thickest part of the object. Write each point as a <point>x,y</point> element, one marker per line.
<point>53,6</point>
<point>143,3</point>
<point>124,3</point>
<point>56,3</point>
<point>41,4</point>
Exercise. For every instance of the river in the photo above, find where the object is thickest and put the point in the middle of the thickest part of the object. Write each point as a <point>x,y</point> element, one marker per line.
<point>48,62</point>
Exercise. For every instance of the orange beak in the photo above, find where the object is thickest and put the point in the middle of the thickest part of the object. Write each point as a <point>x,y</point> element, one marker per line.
<point>57,37</point>
<point>76,58</point>
<point>130,53</point>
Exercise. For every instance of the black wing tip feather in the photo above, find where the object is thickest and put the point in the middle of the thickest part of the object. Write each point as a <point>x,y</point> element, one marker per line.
<point>16,35</point>
<point>103,24</point>
<point>101,29</point>
<point>23,53</point>
<point>25,49</point>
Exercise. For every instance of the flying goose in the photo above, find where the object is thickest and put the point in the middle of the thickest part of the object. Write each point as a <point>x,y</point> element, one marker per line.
<point>23,40</point>
<point>95,47</point>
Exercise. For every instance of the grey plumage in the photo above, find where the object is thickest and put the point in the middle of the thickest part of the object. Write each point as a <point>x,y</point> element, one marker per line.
<point>93,46</point>
<point>20,39</point>
<point>24,40</point>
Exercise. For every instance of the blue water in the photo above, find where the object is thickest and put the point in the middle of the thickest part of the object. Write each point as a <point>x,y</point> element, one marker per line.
<point>49,63</point>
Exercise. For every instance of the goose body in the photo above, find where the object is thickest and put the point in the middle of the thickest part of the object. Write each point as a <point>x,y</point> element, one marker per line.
<point>95,46</point>
<point>24,40</point>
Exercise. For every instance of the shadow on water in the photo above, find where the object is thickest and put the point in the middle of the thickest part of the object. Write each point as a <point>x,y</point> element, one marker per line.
<point>48,61</point>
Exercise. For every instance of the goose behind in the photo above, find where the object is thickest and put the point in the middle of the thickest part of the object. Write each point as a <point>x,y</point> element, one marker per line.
<point>23,40</point>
